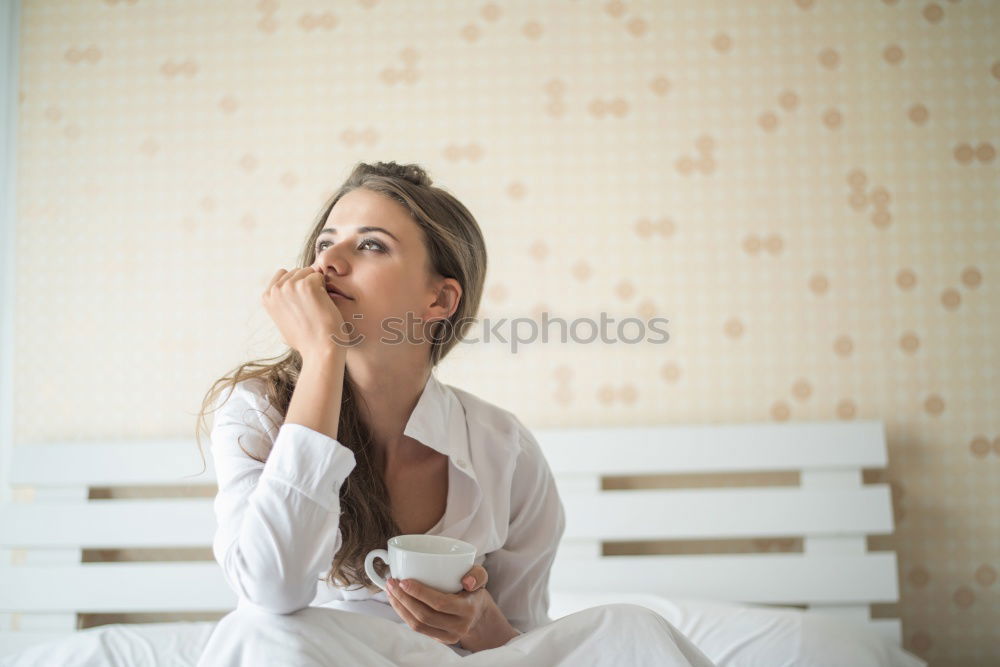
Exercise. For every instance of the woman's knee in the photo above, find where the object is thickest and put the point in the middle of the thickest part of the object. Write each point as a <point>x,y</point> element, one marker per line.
<point>249,621</point>
<point>619,615</point>
<point>247,632</point>
<point>635,615</point>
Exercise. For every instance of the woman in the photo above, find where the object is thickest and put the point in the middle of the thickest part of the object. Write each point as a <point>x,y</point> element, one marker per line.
<point>349,439</point>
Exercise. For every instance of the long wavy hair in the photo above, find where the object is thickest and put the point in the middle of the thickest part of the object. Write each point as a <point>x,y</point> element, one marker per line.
<point>456,249</point>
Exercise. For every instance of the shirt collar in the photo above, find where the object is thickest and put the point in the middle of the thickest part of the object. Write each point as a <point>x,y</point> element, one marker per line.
<point>438,421</point>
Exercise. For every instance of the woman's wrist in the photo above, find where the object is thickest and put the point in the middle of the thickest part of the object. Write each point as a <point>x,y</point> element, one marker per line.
<point>331,355</point>
<point>491,631</point>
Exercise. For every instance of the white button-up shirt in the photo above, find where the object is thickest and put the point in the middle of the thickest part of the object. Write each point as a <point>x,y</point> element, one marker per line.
<point>278,523</point>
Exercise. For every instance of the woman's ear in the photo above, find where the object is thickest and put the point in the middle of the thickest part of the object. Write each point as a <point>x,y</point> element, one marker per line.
<point>448,296</point>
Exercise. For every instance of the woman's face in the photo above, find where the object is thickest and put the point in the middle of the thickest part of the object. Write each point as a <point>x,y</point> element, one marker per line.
<point>373,251</point>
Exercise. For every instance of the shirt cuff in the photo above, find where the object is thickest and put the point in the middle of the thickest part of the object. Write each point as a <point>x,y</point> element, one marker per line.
<point>309,461</point>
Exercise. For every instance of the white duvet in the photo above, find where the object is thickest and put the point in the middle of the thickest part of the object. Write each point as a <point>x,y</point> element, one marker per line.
<point>728,635</point>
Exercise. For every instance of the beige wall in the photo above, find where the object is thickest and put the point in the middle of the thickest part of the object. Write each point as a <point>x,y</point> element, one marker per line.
<point>806,190</point>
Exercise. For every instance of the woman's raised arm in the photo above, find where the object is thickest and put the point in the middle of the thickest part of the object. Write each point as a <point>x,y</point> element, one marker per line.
<point>278,522</point>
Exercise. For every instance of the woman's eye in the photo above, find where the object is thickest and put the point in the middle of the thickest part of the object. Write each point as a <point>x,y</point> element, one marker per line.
<point>322,245</point>
<point>377,244</point>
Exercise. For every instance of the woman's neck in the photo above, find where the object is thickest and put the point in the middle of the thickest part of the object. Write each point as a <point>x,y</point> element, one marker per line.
<point>390,393</point>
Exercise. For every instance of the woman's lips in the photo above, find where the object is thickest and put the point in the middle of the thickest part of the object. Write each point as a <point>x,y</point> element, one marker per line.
<point>338,295</point>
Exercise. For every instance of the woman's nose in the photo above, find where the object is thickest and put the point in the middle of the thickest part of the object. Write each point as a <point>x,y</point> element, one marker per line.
<point>331,258</point>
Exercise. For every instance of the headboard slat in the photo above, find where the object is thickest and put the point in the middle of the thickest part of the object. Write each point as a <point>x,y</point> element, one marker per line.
<point>608,515</point>
<point>116,587</point>
<point>600,451</point>
<point>715,448</point>
<point>720,513</point>
<point>760,578</point>
<point>128,463</point>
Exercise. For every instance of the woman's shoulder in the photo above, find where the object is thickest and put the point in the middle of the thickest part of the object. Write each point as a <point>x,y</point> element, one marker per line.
<point>246,391</point>
<point>246,402</point>
<point>494,420</point>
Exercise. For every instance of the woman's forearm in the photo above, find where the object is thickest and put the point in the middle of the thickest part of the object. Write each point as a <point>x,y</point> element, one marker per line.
<point>318,392</point>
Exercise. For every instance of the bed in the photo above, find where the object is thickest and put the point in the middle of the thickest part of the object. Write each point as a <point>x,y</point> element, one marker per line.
<point>700,484</point>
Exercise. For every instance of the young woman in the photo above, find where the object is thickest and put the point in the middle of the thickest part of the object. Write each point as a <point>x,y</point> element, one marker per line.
<point>349,439</point>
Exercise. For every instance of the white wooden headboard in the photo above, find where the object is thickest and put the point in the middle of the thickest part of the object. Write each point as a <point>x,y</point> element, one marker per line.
<point>44,584</point>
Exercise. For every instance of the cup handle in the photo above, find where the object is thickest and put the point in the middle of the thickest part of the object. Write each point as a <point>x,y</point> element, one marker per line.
<point>370,566</point>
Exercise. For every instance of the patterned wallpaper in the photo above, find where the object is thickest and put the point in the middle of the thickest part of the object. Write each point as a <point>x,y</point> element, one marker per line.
<point>807,190</point>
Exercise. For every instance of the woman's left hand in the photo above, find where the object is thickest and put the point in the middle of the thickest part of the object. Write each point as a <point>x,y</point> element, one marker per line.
<point>446,617</point>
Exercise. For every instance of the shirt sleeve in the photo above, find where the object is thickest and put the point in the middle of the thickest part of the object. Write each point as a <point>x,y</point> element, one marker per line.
<point>519,570</point>
<point>277,522</point>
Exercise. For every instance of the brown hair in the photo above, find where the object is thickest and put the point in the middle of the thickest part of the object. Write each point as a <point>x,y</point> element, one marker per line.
<point>456,249</point>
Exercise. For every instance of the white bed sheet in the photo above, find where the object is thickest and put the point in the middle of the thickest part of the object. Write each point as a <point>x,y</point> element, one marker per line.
<point>739,635</point>
<point>731,635</point>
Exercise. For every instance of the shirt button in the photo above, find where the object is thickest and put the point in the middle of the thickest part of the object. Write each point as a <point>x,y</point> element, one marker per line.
<point>460,463</point>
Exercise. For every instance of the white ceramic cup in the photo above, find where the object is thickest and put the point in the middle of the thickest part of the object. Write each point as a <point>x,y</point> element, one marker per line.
<point>433,560</point>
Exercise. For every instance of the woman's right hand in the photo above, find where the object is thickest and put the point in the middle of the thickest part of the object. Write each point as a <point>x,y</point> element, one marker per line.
<point>308,319</point>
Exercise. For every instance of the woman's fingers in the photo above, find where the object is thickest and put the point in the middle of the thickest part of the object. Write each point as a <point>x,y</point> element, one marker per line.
<point>422,617</point>
<point>282,277</point>
<point>306,317</point>
<point>415,624</point>
<point>475,578</point>
<point>295,275</point>
<point>316,277</point>
<point>274,278</point>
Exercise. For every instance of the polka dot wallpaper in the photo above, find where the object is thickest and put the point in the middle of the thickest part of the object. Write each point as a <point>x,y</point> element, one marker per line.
<point>807,191</point>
